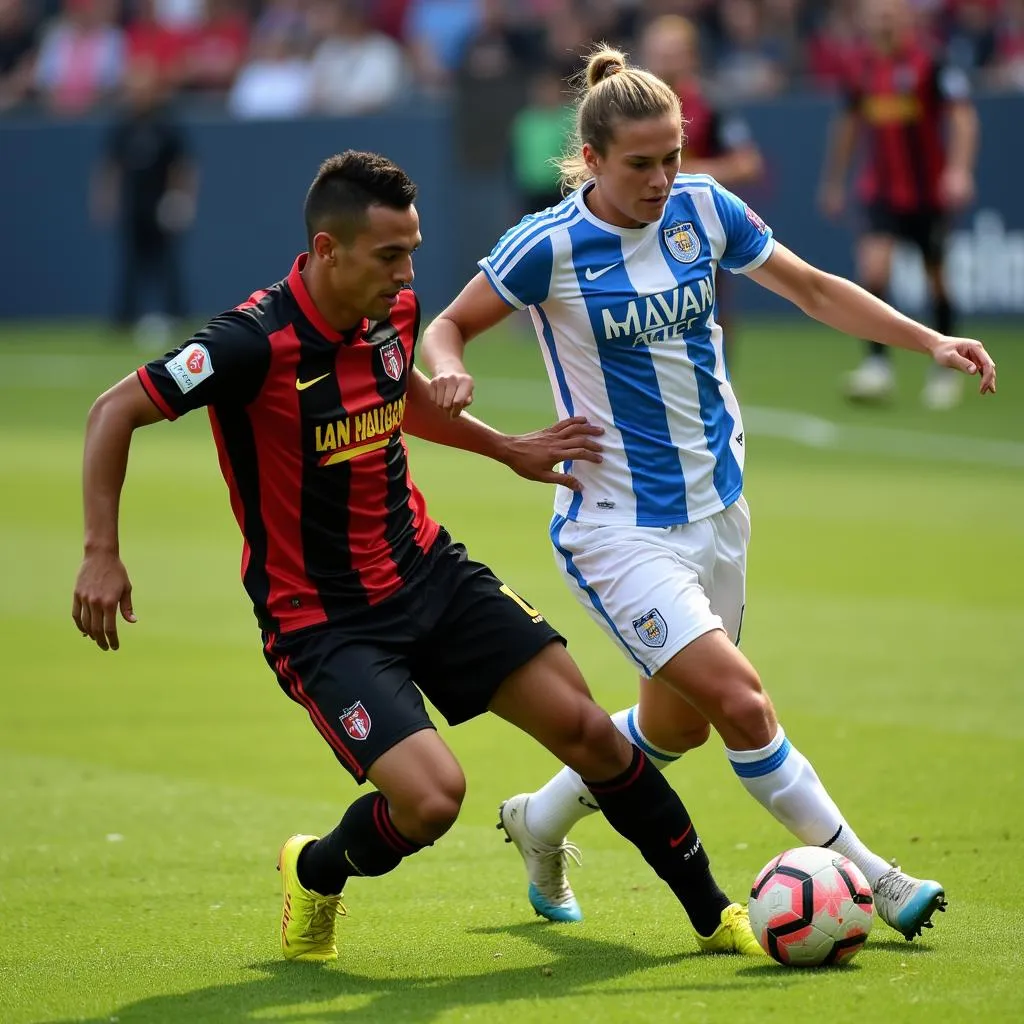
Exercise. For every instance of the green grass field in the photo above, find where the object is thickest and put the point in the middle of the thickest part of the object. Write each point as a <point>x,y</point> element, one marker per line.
<point>145,793</point>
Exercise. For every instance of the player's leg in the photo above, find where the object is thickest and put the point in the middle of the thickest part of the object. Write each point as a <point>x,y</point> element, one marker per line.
<point>722,684</point>
<point>361,699</point>
<point>943,387</point>
<point>873,380</point>
<point>490,650</point>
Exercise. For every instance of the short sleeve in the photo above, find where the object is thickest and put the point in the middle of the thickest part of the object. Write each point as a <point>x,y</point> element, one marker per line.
<point>519,266</point>
<point>225,363</point>
<point>748,240</point>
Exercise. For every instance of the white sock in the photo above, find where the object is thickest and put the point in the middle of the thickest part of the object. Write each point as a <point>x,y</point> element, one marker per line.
<point>782,780</point>
<point>553,810</point>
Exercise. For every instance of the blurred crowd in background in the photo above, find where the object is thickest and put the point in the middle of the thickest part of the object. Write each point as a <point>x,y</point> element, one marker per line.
<point>286,58</point>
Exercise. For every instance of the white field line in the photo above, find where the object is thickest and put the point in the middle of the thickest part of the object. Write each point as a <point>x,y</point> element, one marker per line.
<point>67,372</point>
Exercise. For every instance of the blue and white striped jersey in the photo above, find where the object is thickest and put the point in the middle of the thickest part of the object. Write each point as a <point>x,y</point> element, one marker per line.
<point>626,322</point>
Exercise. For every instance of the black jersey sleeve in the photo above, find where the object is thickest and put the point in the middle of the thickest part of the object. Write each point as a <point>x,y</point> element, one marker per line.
<point>225,363</point>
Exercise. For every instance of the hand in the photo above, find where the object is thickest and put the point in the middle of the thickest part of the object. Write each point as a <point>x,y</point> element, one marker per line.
<point>452,389</point>
<point>832,200</point>
<point>175,211</point>
<point>101,588</point>
<point>956,188</point>
<point>533,455</point>
<point>967,356</point>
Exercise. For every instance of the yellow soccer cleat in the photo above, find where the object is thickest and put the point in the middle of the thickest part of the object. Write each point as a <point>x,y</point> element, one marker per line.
<point>733,935</point>
<point>307,919</point>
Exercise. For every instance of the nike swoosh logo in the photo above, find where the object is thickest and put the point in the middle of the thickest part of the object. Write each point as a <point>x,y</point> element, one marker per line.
<point>675,842</point>
<point>301,385</point>
<point>593,275</point>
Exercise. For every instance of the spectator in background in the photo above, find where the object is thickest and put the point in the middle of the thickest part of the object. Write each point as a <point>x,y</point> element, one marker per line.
<point>540,133</point>
<point>149,40</point>
<point>356,70</point>
<point>18,38</point>
<point>971,35</point>
<point>147,182</point>
<point>81,59</point>
<point>281,16</point>
<point>746,68</point>
<point>216,47</point>
<point>277,82</point>
<point>436,32</point>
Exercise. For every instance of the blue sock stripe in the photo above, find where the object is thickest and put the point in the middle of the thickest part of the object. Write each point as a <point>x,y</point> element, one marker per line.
<point>638,740</point>
<point>755,769</point>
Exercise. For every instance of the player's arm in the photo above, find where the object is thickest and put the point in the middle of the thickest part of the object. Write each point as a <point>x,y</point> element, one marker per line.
<point>477,308</point>
<point>842,140</point>
<point>530,455</point>
<point>103,586</point>
<point>847,307</point>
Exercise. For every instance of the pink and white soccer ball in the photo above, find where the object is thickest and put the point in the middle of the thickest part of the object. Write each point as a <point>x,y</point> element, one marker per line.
<point>810,906</point>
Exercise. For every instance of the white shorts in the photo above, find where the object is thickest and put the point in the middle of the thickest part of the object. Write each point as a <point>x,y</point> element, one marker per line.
<point>655,589</point>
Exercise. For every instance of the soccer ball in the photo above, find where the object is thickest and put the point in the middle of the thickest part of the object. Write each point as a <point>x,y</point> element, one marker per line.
<point>809,907</point>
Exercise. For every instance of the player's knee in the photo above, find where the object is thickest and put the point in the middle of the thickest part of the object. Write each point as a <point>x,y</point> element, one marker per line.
<point>595,748</point>
<point>691,738</point>
<point>437,810</point>
<point>748,711</point>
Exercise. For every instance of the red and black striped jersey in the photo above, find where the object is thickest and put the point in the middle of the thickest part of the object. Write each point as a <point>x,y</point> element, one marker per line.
<point>307,424</point>
<point>710,131</point>
<point>900,99</point>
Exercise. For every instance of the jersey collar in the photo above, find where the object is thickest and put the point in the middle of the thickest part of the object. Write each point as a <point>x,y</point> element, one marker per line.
<point>308,306</point>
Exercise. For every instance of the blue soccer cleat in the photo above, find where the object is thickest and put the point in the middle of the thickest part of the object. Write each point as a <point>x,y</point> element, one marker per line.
<point>906,903</point>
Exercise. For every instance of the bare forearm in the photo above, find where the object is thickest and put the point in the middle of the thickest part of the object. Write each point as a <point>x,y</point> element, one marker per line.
<point>840,150</point>
<point>431,423</point>
<point>443,346</point>
<point>108,437</point>
<point>963,138</point>
<point>847,307</point>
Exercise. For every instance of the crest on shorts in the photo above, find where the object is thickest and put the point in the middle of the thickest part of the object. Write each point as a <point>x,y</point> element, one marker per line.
<point>393,358</point>
<point>682,241</point>
<point>356,721</point>
<point>651,628</point>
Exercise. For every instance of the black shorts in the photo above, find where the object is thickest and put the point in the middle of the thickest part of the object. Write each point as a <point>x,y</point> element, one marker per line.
<point>454,635</point>
<point>925,229</point>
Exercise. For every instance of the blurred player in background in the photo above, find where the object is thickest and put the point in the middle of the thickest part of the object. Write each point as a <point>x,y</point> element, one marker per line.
<point>718,142</point>
<point>921,134</point>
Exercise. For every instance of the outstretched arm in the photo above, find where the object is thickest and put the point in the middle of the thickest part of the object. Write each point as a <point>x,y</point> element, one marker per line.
<point>103,585</point>
<point>530,455</point>
<point>849,308</point>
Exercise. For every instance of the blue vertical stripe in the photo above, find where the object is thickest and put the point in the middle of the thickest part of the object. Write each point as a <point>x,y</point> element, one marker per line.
<point>718,424</point>
<point>631,381</point>
<point>564,393</point>
<point>556,532</point>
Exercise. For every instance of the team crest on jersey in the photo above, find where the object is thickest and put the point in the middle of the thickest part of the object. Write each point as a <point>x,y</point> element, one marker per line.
<point>393,358</point>
<point>651,628</point>
<point>682,241</point>
<point>356,721</point>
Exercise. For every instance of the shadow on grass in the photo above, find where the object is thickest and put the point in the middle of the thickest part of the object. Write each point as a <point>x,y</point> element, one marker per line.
<point>291,991</point>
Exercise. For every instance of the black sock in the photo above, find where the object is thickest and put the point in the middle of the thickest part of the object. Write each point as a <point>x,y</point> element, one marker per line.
<point>942,312</point>
<point>874,348</point>
<point>365,842</point>
<point>641,806</point>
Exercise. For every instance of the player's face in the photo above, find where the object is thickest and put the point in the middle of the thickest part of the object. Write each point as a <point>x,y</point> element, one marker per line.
<point>885,20</point>
<point>636,172</point>
<point>377,264</point>
<point>669,55</point>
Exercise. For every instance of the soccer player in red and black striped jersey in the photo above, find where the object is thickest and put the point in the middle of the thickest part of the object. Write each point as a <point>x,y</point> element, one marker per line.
<point>365,602</point>
<point>906,103</point>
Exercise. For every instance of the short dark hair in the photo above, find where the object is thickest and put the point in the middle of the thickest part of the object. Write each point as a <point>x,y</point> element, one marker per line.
<point>347,185</point>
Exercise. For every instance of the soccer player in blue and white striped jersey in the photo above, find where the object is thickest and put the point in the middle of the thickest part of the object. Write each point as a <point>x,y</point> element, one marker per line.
<point>620,281</point>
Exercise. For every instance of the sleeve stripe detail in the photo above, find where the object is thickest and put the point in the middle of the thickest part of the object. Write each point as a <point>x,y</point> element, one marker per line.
<point>496,284</point>
<point>155,397</point>
<point>759,259</point>
<point>528,235</point>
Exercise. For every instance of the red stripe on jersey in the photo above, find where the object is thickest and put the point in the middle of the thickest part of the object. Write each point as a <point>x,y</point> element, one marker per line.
<point>155,396</point>
<point>424,527</point>
<point>367,502</point>
<point>293,600</point>
<point>253,300</point>
<point>228,472</point>
<point>298,694</point>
